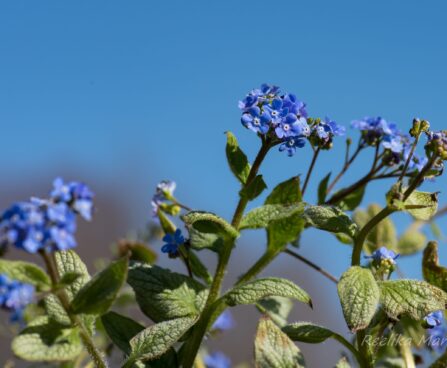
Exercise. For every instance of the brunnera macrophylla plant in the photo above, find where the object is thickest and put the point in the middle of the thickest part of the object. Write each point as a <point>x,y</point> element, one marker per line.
<point>69,318</point>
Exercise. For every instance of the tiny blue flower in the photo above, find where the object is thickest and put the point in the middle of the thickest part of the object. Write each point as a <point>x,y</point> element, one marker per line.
<point>224,322</point>
<point>217,360</point>
<point>434,319</point>
<point>173,242</point>
<point>256,120</point>
<point>294,105</point>
<point>383,254</point>
<point>291,144</point>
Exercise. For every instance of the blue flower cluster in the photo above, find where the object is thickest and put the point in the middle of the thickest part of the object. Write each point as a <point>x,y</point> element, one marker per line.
<point>436,331</point>
<point>163,193</point>
<point>172,243</point>
<point>266,111</point>
<point>383,257</point>
<point>217,360</point>
<point>15,296</point>
<point>46,224</point>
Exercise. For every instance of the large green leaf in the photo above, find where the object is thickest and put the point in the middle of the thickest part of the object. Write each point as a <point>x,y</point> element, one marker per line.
<point>162,294</point>
<point>308,332</point>
<point>433,272</point>
<point>411,297</point>
<point>263,216</point>
<point>284,231</point>
<point>209,223</point>
<point>427,201</point>
<point>237,160</point>
<point>330,219</point>
<point>26,272</point>
<point>251,292</point>
<point>98,295</point>
<point>46,341</point>
<point>253,189</point>
<point>273,349</point>
<point>157,339</point>
<point>359,296</point>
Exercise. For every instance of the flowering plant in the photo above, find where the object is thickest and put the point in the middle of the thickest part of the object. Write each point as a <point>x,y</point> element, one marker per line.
<point>66,315</point>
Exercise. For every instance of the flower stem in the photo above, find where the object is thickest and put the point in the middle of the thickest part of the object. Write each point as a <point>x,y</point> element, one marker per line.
<point>410,156</point>
<point>96,356</point>
<point>309,172</point>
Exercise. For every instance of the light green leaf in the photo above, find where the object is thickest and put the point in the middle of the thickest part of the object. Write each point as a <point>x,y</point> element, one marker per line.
<point>162,294</point>
<point>98,295</point>
<point>263,216</point>
<point>277,308</point>
<point>199,240</point>
<point>121,329</point>
<point>157,339</point>
<point>273,349</point>
<point>26,272</point>
<point>254,188</point>
<point>359,296</point>
<point>307,332</point>
<point>209,223</point>
<point>433,272</point>
<point>330,219</point>
<point>410,242</point>
<point>411,297</point>
<point>45,341</point>
<point>429,201</point>
<point>237,160</point>
<point>287,230</point>
<point>251,292</point>
<point>322,189</point>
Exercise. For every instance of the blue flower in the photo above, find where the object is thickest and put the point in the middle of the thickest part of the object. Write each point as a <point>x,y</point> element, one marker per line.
<point>164,192</point>
<point>383,255</point>
<point>377,128</point>
<point>173,242</point>
<point>291,144</point>
<point>256,121</point>
<point>217,360</point>
<point>294,106</point>
<point>15,296</point>
<point>224,322</point>
<point>434,319</point>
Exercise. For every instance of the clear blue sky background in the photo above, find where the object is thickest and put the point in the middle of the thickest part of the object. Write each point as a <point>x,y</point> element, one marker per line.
<point>129,94</point>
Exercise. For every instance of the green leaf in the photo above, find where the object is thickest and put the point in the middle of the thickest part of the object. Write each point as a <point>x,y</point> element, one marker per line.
<point>199,240</point>
<point>254,188</point>
<point>410,242</point>
<point>209,223</point>
<point>411,297</point>
<point>273,349</point>
<point>198,268</point>
<point>157,339</point>
<point>98,295</point>
<point>67,262</point>
<point>322,189</point>
<point>142,253</point>
<point>307,332</point>
<point>359,296</point>
<point>166,224</point>
<point>330,219</point>
<point>26,272</point>
<point>282,232</point>
<point>433,272</point>
<point>45,341</point>
<point>162,294</point>
<point>263,216</point>
<point>383,233</point>
<point>352,200</point>
<point>120,329</point>
<point>251,292</point>
<point>237,159</point>
<point>429,202</point>
<point>277,308</point>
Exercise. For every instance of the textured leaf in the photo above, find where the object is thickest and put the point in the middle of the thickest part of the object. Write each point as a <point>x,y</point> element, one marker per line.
<point>433,272</point>
<point>237,160</point>
<point>209,223</point>
<point>67,262</point>
<point>307,332</point>
<point>330,219</point>
<point>282,232</point>
<point>98,295</point>
<point>411,297</point>
<point>410,242</point>
<point>157,339</point>
<point>263,216</point>
<point>352,200</point>
<point>199,240</point>
<point>322,189</point>
<point>277,308</point>
<point>359,296</point>
<point>25,272</point>
<point>120,329</point>
<point>252,291</point>
<point>162,294</point>
<point>45,341</point>
<point>428,200</point>
<point>254,189</point>
<point>273,349</point>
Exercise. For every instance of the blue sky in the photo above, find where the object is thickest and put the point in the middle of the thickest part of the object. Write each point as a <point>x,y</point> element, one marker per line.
<point>123,96</point>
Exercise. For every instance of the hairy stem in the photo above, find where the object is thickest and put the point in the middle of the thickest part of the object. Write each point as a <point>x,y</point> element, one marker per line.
<point>309,171</point>
<point>96,356</point>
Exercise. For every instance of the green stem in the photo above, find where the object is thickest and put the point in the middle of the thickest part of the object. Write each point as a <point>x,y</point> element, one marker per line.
<point>410,156</point>
<point>363,349</point>
<point>96,356</point>
<point>309,172</point>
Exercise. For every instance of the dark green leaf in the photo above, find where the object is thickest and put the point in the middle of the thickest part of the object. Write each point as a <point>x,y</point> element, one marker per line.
<point>25,272</point>
<point>254,189</point>
<point>263,216</point>
<point>98,295</point>
<point>307,332</point>
<point>142,253</point>
<point>352,200</point>
<point>330,219</point>
<point>433,272</point>
<point>322,189</point>
<point>237,159</point>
